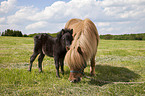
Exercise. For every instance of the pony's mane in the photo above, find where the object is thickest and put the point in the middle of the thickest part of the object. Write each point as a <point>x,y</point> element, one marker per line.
<point>85,42</point>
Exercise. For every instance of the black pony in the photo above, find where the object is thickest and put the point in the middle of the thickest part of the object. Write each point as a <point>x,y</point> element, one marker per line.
<point>56,47</point>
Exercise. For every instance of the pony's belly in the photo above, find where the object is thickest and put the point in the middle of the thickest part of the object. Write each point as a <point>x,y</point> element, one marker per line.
<point>48,52</point>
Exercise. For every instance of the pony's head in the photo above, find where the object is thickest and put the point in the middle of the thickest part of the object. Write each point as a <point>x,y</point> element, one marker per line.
<point>77,64</point>
<point>76,75</point>
<point>65,38</point>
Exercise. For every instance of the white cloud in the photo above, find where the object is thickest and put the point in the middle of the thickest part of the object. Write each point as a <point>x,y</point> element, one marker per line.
<point>54,11</point>
<point>110,16</point>
<point>43,26</point>
<point>61,11</point>
<point>37,25</point>
<point>22,16</point>
<point>116,3</point>
<point>102,24</point>
<point>2,20</point>
<point>124,8</point>
<point>7,6</point>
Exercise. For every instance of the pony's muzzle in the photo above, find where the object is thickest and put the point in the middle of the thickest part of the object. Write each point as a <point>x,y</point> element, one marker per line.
<point>75,80</point>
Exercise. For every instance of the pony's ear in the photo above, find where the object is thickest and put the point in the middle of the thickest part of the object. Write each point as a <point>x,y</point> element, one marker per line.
<point>40,36</point>
<point>62,31</point>
<point>60,34</point>
<point>71,31</point>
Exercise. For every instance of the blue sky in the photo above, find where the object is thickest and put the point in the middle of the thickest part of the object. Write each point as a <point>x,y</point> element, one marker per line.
<point>109,16</point>
<point>41,4</point>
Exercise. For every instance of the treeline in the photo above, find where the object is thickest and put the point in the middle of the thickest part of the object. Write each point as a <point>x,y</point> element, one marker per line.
<point>17,33</point>
<point>32,35</point>
<point>140,36</point>
<point>14,33</point>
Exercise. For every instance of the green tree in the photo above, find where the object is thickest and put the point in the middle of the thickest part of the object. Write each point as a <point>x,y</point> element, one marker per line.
<point>9,32</point>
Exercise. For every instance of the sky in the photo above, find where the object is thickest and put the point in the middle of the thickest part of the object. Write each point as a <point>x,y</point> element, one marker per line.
<point>50,16</point>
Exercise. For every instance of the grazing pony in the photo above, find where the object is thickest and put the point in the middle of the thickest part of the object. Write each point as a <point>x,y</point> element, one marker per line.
<point>56,47</point>
<point>83,47</point>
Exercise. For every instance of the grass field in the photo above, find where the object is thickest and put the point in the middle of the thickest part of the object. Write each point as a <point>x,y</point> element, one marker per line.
<point>116,61</point>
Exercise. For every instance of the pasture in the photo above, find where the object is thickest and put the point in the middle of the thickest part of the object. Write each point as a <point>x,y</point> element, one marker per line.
<point>116,61</point>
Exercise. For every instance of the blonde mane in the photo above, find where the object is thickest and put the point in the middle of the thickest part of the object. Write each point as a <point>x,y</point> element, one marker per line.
<point>85,42</point>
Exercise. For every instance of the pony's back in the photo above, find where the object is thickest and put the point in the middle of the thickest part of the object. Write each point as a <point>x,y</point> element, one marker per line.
<point>85,42</point>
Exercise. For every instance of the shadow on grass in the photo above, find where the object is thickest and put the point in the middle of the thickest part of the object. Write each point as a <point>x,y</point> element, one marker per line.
<point>107,74</point>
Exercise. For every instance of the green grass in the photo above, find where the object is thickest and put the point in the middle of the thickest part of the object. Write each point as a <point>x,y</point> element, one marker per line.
<point>116,61</point>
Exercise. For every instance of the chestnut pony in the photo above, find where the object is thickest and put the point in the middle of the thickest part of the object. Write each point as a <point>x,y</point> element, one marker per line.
<point>83,47</point>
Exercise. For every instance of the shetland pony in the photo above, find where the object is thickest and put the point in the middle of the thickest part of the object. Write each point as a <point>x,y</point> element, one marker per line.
<point>83,47</point>
<point>56,47</point>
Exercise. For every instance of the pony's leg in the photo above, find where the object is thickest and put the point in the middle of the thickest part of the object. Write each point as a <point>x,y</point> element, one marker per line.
<point>92,67</point>
<point>62,65</point>
<point>32,58</point>
<point>57,66</point>
<point>40,59</point>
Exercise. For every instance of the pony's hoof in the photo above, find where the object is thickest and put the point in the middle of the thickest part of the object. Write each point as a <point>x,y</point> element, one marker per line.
<point>62,73</point>
<point>58,76</point>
